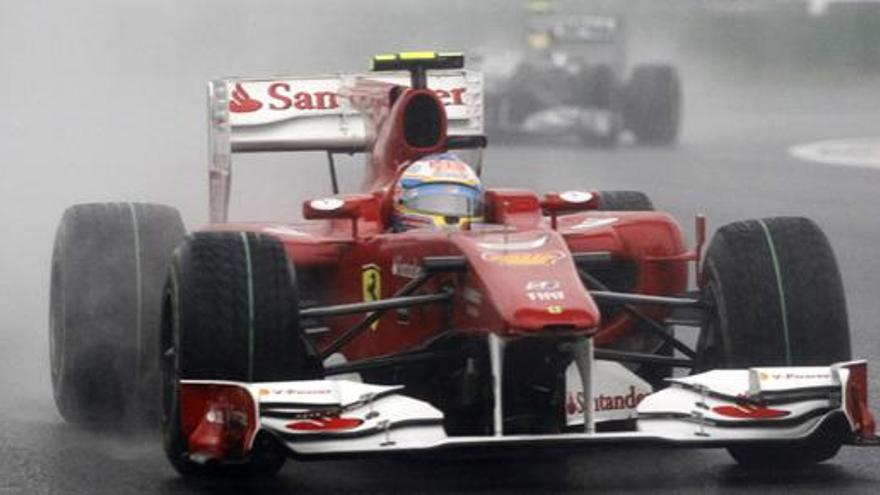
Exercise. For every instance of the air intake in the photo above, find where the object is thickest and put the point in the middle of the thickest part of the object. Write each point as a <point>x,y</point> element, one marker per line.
<point>423,121</point>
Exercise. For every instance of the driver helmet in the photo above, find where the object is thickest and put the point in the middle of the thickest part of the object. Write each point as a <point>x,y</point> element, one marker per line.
<point>438,191</point>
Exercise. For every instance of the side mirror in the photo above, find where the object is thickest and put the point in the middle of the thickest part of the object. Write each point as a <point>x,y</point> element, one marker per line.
<point>555,203</point>
<point>351,207</point>
<point>330,207</point>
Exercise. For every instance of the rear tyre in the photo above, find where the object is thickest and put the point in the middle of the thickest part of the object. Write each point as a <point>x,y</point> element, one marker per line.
<point>230,313</point>
<point>108,266</point>
<point>653,104</point>
<point>775,282</point>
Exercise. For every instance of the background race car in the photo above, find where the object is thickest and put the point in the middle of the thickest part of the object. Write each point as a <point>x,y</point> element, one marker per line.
<point>571,79</point>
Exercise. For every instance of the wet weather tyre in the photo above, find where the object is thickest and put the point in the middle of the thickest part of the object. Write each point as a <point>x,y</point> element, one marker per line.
<point>108,267</point>
<point>624,201</point>
<point>230,313</point>
<point>778,301</point>
<point>653,104</point>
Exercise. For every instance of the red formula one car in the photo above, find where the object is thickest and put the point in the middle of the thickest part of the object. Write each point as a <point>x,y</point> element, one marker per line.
<point>428,314</point>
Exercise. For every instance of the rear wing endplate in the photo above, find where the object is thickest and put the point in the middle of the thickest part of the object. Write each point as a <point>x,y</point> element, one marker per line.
<point>308,114</point>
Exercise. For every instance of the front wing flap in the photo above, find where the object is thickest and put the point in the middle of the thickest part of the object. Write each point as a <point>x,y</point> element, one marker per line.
<point>343,416</point>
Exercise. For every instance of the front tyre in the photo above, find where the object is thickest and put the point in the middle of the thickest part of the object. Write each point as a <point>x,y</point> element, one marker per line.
<point>778,301</point>
<point>230,313</point>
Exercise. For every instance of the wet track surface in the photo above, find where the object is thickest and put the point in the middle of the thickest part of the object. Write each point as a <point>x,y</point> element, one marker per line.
<point>732,164</point>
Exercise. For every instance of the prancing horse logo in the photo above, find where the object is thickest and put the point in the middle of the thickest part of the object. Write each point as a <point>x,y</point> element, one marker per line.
<point>371,275</point>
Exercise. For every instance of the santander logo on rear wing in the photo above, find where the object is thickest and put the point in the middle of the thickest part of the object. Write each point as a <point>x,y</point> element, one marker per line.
<point>309,114</point>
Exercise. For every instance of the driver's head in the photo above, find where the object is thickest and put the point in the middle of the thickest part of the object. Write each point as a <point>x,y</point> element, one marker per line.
<point>437,191</point>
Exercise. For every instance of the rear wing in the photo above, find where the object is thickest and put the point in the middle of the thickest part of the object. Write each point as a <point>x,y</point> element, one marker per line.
<point>308,114</point>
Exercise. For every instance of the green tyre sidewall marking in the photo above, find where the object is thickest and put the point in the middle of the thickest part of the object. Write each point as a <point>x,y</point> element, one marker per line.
<point>781,290</point>
<point>250,290</point>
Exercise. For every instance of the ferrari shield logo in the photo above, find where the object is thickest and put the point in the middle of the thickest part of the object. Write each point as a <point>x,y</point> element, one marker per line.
<point>371,277</point>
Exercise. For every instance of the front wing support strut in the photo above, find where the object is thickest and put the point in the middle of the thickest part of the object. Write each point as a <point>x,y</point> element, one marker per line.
<point>582,350</point>
<point>582,354</point>
<point>496,360</point>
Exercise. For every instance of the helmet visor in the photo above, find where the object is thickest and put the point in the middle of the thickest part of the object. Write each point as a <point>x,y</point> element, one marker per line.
<point>444,199</point>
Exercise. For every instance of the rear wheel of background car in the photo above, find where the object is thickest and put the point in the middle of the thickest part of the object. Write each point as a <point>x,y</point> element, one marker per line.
<point>599,90</point>
<point>779,301</point>
<point>639,339</point>
<point>230,313</point>
<point>653,104</point>
<point>108,269</point>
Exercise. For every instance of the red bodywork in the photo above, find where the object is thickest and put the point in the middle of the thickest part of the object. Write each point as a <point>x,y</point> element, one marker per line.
<point>521,278</point>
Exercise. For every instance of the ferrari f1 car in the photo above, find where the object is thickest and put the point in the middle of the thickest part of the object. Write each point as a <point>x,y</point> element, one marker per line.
<point>572,81</point>
<point>541,322</point>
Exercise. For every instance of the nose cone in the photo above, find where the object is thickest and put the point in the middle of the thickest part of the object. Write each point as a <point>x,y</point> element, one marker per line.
<point>530,280</point>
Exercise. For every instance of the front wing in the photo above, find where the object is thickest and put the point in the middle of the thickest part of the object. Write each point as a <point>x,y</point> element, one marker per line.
<point>335,418</point>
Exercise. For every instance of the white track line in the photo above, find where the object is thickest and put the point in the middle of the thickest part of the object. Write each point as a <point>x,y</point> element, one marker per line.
<point>849,152</point>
